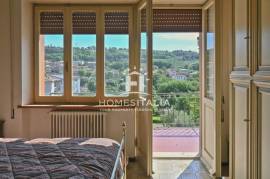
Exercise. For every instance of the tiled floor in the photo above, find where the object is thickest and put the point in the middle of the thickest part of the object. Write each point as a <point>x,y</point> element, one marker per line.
<point>171,169</point>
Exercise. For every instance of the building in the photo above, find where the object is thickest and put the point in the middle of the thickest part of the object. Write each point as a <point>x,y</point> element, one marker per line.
<point>54,85</point>
<point>182,75</point>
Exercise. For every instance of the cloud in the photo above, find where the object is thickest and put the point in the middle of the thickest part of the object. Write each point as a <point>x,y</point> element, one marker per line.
<point>176,36</point>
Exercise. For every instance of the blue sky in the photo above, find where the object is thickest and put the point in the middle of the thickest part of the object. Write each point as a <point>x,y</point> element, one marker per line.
<point>210,40</point>
<point>161,41</point>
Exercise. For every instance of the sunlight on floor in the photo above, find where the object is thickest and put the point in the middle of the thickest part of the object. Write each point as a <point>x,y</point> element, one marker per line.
<point>180,169</point>
<point>171,169</point>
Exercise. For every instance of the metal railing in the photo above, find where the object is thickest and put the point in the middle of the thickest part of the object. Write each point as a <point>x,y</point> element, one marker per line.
<point>176,109</point>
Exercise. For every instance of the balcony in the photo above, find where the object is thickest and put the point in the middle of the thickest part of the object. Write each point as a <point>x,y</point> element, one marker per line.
<point>176,121</point>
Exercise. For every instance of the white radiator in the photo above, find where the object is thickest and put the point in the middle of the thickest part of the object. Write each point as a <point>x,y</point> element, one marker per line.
<point>77,124</point>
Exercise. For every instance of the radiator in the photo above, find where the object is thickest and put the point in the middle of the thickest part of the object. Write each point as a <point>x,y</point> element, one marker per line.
<point>77,124</point>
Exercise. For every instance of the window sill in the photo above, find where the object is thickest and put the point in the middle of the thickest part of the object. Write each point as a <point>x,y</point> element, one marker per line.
<point>76,107</point>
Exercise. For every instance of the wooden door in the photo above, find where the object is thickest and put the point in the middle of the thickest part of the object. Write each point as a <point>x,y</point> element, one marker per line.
<point>211,91</point>
<point>262,90</point>
<point>240,92</point>
<point>241,130</point>
<point>144,88</point>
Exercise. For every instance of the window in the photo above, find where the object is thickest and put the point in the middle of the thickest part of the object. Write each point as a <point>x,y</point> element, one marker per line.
<point>51,54</point>
<point>210,54</point>
<point>143,55</point>
<point>84,54</point>
<point>116,54</point>
<point>70,65</point>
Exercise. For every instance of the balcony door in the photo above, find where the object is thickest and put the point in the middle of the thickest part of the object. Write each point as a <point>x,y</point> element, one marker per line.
<point>143,72</point>
<point>210,91</point>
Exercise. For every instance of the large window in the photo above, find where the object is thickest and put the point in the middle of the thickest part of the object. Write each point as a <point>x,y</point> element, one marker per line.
<point>51,54</point>
<point>116,54</point>
<point>82,54</point>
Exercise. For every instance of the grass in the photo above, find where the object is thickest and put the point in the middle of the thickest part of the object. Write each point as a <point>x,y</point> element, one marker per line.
<point>156,119</point>
<point>181,119</point>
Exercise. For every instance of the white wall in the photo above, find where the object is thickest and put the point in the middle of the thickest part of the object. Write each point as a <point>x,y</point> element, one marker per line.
<point>8,39</point>
<point>27,46</point>
<point>16,83</point>
<point>5,60</point>
<point>11,49</point>
<point>36,124</point>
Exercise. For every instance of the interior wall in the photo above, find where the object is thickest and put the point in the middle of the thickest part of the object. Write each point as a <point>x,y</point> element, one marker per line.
<point>10,77</point>
<point>16,49</point>
<point>5,51</point>
<point>36,124</point>
<point>16,52</point>
<point>27,51</point>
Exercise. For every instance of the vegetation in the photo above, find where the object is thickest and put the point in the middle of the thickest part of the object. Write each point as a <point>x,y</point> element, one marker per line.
<point>182,95</point>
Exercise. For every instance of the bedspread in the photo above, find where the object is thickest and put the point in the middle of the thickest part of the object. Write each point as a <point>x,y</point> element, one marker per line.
<point>74,158</point>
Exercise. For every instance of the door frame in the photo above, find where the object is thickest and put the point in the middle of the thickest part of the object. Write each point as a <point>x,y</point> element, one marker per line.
<point>215,169</point>
<point>146,151</point>
<point>196,6</point>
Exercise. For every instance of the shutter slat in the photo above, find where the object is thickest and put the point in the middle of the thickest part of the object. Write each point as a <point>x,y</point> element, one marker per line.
<point>51,23</point>
<point>116,22</point>
<point>177,20</point>
<point>174,20</point>
<point>84,22</point>
<point>164,20</point>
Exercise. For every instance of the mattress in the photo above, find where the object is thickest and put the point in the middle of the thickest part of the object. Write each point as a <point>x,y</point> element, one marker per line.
<point>92,158</point>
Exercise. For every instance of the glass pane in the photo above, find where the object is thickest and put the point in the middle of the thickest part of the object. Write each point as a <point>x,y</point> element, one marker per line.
<point>116,44</point>
<point>84,54</point>
<point>143,56</point>
<point>51,54</point>
<point>210,54</point>
<point>265,35</point>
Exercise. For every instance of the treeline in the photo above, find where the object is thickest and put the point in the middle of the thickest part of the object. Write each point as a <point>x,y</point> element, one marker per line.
<point>115,54</point>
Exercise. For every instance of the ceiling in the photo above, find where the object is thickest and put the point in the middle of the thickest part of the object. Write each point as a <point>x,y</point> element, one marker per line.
<point>117,1</point>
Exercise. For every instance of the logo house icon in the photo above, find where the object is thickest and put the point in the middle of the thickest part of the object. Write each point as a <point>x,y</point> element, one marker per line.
<point>130,84</point>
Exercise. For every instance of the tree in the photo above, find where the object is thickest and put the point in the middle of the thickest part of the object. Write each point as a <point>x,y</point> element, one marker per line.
<point>82,72</point>
<point>84,81</point>
<point>91,85</point>
<point>182,104</point>
<point>173,86</point>
<point>159,78</point>
<point>194,66</point>
<point>162,64</point>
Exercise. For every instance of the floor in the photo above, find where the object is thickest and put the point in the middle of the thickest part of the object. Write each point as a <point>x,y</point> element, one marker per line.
<point>176,139</point>
<point>171,169</point>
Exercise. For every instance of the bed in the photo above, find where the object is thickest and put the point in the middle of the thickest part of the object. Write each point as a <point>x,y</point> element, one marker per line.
<point>93,158</point>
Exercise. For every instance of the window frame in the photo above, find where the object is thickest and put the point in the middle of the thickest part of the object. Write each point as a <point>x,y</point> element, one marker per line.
<point>206,56</point>
<point>131,52</point>
<point>100,52</point>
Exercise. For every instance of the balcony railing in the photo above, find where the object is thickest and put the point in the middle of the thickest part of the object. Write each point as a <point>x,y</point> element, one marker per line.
<point>176,109</point>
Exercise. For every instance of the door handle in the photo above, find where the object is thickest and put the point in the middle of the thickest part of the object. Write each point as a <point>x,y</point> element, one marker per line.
<point>246,120</point>
<point>247,37</point>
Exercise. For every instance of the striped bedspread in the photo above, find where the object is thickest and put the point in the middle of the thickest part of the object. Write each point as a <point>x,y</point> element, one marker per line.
<point>58,158</point>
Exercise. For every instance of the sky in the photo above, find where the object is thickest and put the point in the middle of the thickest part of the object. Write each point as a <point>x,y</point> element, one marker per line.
<point>161,41</point>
